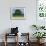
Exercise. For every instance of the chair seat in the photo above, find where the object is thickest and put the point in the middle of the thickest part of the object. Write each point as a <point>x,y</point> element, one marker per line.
<point>9,34</point>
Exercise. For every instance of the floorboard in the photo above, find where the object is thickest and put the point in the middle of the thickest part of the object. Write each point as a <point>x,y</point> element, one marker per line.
<point>13,44</point>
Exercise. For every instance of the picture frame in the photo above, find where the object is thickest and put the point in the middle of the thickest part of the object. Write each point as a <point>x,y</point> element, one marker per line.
<point>17,13</point>
<point>41,9</point>
<point>40,12</point>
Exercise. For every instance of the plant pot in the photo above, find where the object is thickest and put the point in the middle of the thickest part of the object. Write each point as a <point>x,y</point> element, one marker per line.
<point>38,40</point>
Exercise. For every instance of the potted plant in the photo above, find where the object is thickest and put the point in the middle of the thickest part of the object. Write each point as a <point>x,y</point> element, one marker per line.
<point>39,35</point>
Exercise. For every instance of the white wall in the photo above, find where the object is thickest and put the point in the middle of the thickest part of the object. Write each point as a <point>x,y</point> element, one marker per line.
<point>5,21</point>
<point>24,25</point>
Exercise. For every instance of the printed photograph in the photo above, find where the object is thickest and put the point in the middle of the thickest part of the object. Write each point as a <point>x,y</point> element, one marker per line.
<point>17,13</point>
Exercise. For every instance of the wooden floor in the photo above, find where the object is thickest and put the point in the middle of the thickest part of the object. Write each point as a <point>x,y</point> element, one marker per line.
<point>13,44</point>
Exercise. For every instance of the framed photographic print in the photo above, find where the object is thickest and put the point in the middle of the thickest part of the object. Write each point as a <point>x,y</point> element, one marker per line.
<point>41,12</point>
<point>41,8</point>
<point>17,13</point>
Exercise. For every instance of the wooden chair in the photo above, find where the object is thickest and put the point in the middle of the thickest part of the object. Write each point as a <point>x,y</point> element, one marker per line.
<point>27,43</point>
<point>7,34</point>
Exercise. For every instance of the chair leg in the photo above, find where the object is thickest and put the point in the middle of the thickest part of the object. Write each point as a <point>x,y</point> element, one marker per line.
<point>5,43</point>
<point>5,40</point>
